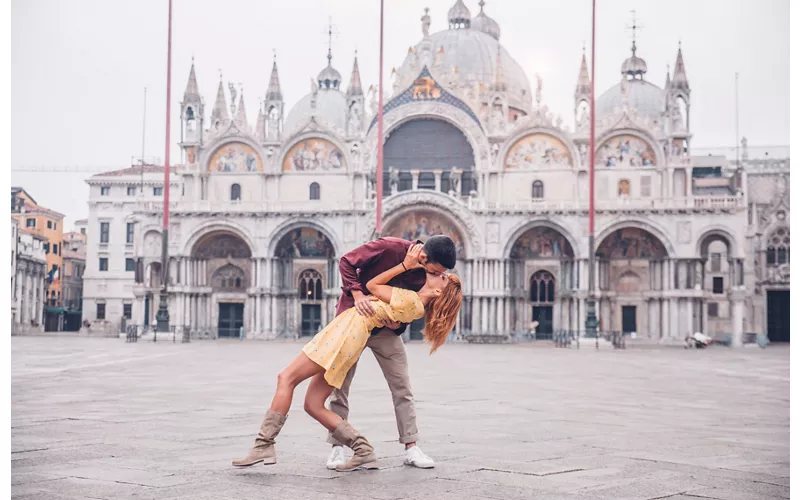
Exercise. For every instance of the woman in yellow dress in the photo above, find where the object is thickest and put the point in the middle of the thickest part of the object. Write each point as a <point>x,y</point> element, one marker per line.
<point>333,351</point>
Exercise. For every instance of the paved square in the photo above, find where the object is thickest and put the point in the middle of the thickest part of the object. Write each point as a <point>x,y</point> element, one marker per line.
<point>98,418</point>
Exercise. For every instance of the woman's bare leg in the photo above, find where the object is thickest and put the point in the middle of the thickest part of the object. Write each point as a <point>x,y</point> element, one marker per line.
<point>316,395</point>
<point>298,370</point>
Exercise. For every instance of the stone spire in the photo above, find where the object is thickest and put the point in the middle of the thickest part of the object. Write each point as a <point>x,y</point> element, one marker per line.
<point>191,86</point>
<point>426,23</point>
<point>499,73</point>
<point>260,125</point>
<point>274,90</point>
<point>679,80</point>
<point>583,89</point>
<point>241,115</point>
<point>668,82</point>
<point>219,115</point>
<point>354,88</point>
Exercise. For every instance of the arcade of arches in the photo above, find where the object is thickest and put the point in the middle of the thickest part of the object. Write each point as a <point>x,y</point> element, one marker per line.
<point>221,289</point>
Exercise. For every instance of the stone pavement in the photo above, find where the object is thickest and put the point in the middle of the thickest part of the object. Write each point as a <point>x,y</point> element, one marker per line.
<point>98,418</point>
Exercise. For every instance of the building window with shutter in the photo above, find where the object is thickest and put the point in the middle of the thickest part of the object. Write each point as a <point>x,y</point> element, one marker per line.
<point>129,233</point>
<point>236,192</point>
<point>101,311</point>
<point>719,285</point>
<point>104,232</point>
<point>313,191</point>
<point>103,263</point>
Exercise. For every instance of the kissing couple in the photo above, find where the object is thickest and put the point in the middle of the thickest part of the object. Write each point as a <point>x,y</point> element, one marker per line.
<point>387,283</point>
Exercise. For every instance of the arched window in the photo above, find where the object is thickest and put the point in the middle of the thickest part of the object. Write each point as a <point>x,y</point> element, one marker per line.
<point>236,192</point>
<point>228,277</point>
<point>538,190</point>
<point>543,287</point>
<point>190,120</point>
<point>313,191</point>
<point>778,247</point>
<point>310,285</point>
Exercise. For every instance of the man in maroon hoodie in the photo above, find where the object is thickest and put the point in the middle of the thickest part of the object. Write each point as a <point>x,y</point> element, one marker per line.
<point>357,267</point>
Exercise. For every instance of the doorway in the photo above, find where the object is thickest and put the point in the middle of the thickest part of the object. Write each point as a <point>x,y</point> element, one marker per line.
<point>146,311</point>
<point>778,315</point>
<point>311,319</point>
<point>231,319</point>
<point>628,319</point>
<point>544,315</point>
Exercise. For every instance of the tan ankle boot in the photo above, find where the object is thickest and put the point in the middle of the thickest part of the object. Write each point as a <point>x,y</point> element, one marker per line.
<point>264,447</point>
<point>363,452</point>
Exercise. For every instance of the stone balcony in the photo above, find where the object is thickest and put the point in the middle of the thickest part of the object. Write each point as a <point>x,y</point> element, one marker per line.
<point>695,204</point>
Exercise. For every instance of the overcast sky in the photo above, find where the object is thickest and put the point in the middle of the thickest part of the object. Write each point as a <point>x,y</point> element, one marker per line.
<point>79,67</point>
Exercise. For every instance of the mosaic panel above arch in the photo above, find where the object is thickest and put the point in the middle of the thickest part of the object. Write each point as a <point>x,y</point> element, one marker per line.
<point>631,243</point>
<point>221,246</point>
<point>538,149</point>
<point>625,151</point>
<point>422,224</point>
<point>235,157</point>
<point>304,242</point>
<point>311,155</point>
<point>541,243</point>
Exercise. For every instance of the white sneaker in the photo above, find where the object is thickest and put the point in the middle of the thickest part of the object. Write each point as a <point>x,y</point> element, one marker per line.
<point>336,457</point>
<point>415,457</point>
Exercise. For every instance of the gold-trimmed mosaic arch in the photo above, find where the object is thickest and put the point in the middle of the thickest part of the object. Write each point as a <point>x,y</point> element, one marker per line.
<point>235,157</point>
<point>313,155</point>
<point>625,151</point>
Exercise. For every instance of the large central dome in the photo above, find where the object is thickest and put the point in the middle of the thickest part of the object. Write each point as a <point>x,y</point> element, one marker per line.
<point>467,54</point>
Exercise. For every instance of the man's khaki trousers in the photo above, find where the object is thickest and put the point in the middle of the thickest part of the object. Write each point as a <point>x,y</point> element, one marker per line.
<point>390,353</point>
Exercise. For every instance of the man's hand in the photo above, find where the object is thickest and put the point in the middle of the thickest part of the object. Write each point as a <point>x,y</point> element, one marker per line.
<point>363,303</point>
<point>392,325</point>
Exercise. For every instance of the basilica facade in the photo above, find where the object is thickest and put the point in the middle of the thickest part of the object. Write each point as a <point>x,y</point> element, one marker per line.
<point>263,211</point>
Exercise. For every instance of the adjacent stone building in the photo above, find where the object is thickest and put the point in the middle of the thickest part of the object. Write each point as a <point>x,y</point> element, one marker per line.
<point>30,283</point>
<point>262,213</point>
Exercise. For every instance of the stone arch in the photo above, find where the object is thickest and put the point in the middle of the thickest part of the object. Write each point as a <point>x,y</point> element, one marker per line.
<point>716,233</point>
<point>320,138</point>
<point>527,225</point>
<point>151,243</point>
<point>409,200</point>
<point>287,227</point>
<point>310,285</point>
<point>638,223</point>
<point>542,287</point>
<point>649,140</point>
<point>421,222</point>
<point>563,138</point>
<point>435,111</point>
<point>227,226</point>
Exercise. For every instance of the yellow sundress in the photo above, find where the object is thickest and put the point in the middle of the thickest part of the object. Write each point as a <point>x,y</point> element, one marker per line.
<point>338,346</point>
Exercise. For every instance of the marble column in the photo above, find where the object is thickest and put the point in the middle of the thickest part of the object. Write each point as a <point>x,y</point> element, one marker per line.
<point>484,315</point>
<point>437,175</point>
<point>674,329</point>
<point>737,318</point>
<point>414,180</point>
<point>664,319</point>
<point>257,303</point>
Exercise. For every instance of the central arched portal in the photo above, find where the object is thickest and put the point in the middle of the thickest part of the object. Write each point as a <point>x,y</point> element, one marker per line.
<point>542,271</point>
<point>627,273</point>
<point>421,224</point>
<point>221,263</point>
<point>423,153</point>
<point>306,279</point>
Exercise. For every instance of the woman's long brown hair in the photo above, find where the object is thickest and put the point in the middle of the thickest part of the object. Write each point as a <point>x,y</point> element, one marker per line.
<point>442,312</point>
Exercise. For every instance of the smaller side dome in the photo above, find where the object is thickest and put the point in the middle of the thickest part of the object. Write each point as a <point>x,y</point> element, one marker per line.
<point>486,24</point>
<point>459,16</point>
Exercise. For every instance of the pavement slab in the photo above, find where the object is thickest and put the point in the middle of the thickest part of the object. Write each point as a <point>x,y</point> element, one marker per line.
<point>103,419</point>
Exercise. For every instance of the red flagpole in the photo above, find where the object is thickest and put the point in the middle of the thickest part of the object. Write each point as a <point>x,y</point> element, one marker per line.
<point>591,314</point>
<point>162,316</point>
<point>379,170</point>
